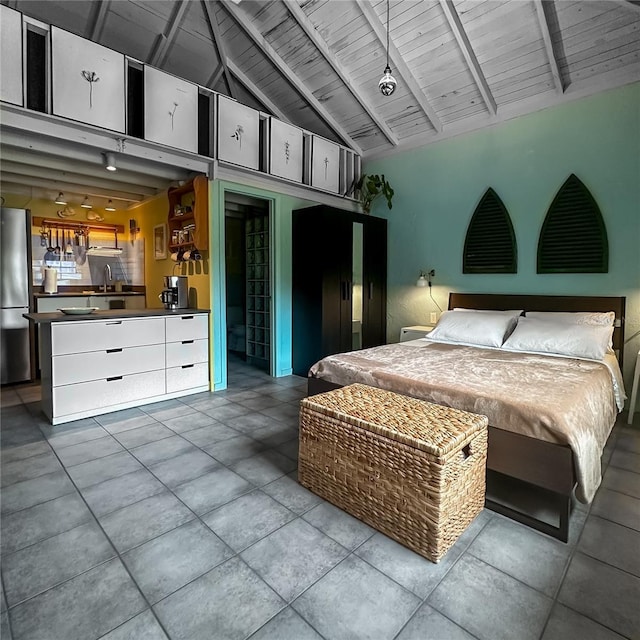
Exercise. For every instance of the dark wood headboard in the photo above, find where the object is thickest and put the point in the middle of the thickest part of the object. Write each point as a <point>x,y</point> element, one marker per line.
<point>501,302</point>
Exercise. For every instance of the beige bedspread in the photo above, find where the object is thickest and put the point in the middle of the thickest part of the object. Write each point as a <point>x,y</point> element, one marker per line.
<point>561,400</point>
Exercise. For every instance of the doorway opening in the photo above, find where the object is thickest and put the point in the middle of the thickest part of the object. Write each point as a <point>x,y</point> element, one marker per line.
<point>248,283</point>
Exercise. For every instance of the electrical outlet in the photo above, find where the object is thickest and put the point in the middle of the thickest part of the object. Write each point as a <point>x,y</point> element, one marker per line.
<point>432,317</point>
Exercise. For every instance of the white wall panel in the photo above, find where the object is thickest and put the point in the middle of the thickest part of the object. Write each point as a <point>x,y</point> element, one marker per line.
<point>170,110</point>
<point>238,133</point>
<point>88,81</point>
<point>10,55</point>
<point>325,165</point>
<point>286,150</point>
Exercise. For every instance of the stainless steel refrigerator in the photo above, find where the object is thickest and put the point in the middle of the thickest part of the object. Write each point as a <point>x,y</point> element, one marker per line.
<point>15,294</point>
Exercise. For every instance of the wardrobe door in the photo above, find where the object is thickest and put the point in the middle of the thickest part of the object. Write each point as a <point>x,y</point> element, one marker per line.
<point>374,326</point>
<point>336,282</point>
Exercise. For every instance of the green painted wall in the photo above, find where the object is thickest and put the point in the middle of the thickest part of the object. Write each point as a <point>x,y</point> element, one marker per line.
<point>525,160</point>
<point>281,208</point>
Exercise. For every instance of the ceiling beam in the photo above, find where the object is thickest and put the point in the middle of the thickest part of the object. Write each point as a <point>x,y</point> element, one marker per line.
<point>467,51</point>
<point>88,168</point>
<point>70,187</point>
<point>548,45</point>
<point>244,22</point>
<point>99,17</point>
<point>165,40</point>
<point>628,4</point>
<point>252,88</point>
<point>52,173</point>
<point>400,67</point>
<point>215,76</point>
<point>218,44</point>
<point>321,45</point>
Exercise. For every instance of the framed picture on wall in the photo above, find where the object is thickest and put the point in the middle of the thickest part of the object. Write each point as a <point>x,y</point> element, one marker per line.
<point>160,241</point>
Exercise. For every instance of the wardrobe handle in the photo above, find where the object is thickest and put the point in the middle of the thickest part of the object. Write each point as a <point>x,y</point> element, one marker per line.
<point>349,285</point>
<point>370,290</point>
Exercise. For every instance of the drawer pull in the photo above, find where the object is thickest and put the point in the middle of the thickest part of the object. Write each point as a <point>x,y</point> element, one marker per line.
<point>114,378</point>
<point>187,342</point>
<point>114,350</point>
<point>115,322</point>
<point>187,366</point>
<point>187,317</point>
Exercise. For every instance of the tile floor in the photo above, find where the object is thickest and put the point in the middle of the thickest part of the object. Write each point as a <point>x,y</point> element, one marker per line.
<point>184,520</point>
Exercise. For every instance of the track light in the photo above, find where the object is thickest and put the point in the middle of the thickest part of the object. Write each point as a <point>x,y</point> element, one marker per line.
<point>110,206</point>
<point>110,162</point>
<point>61,199</point>
<point>85,203</point>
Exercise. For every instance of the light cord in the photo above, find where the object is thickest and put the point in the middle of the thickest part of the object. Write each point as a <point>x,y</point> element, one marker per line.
<point>387,33</point>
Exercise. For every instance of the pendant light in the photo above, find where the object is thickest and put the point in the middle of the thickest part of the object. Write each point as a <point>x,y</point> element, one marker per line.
<point>85,203</point>
<point>387,84</point>
<point>61,199</point>
<point>110,206</point>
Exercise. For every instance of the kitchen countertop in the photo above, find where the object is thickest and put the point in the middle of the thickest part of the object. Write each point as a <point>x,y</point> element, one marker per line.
<point>111,314</point>
<point>83,294</point>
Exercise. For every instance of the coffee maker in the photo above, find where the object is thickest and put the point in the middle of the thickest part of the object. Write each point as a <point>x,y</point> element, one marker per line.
<point>176,292</point>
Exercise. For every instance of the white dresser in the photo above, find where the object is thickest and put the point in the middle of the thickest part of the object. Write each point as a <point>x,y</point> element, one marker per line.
<point>95,366</point>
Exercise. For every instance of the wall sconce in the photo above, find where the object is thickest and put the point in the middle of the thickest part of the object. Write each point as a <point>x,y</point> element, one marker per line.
<point>110,162</point>
<point>424,279</point>
<point>110,206</point>
<point>61,199</point>
<point>85,203</point>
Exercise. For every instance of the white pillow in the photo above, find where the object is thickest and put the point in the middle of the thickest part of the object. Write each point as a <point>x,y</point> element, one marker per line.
<point>606,318</point>
<point>563,338</point>
<point>484,329</point>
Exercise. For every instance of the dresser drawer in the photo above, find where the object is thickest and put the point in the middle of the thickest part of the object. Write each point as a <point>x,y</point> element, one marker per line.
<point>95,365</point>
<point>99,335</point>
<point>187,377</point>
<point>187,327</point>
<point>97,394</point>
<point>187,352</point>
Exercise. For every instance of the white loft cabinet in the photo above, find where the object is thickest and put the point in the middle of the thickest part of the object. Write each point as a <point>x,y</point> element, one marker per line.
<point>325,165</point>
<point>90,367</point>
<point>10,55</point>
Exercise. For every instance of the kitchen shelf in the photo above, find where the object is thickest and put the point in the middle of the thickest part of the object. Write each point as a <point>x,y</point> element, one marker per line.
<point>195,194</point>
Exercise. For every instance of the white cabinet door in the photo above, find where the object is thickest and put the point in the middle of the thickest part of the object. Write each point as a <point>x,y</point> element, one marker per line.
<point>10,55</point>
<point>187,352</point>
<point>187,327</point>
<point>100,394</point>
<point>98,335</point>
<point>87,81</point>
<point>187,377</point>
<point>82,367</point>
<point>170,110</point>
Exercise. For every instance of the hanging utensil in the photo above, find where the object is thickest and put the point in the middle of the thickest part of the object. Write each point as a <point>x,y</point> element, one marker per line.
<point>50,247</point>
<point>69,249</point>
<point>57,249</point>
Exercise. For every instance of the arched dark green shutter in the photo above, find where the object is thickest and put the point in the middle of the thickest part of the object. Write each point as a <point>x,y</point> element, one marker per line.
<point>573,238</point>
<point>490,245</point>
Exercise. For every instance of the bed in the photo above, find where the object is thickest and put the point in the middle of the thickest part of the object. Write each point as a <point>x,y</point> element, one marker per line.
<point>536,463</point>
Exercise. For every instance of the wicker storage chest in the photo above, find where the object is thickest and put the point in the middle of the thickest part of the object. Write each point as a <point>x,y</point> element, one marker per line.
<point>411,469</point>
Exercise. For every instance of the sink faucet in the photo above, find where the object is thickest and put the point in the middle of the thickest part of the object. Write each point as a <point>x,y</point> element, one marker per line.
<point>107,276</point>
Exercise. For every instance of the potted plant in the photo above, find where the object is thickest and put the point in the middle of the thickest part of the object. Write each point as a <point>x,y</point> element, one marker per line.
<point>368,187</point>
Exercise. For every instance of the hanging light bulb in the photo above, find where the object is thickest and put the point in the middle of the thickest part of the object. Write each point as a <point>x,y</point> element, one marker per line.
<point>110,206</point>
<point>85,203</point>
<point>387,84</point>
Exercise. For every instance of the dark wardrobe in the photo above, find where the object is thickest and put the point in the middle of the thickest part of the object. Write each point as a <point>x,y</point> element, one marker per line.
<point>339,283</point>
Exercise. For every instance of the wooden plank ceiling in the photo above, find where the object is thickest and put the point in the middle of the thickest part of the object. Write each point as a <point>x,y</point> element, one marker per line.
<point>460,64</point>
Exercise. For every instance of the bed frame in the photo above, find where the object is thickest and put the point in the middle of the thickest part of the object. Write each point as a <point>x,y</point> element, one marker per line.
<point>529,480</point>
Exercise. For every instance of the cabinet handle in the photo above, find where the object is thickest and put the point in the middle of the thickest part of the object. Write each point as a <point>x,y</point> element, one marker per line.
<point>187,366</point>
<point>370,290</point>
<point>115,322</point>
<point>187,342</point>
<point>114,350</point>
<point>187,317</point>
<point>114,378</point>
